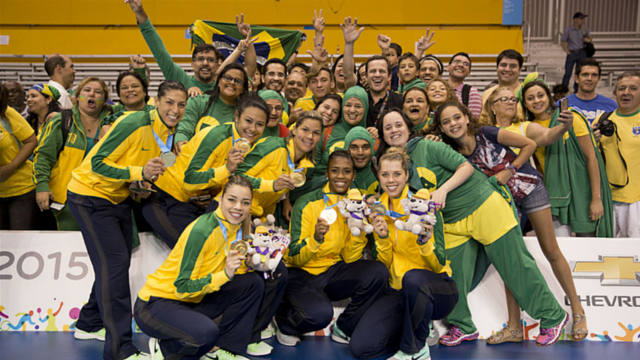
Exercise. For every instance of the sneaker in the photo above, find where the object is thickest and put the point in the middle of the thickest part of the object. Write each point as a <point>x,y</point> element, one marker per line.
<point>211,355</point>
<point>434,335</point>
<point>338,336</point>
<point>259,349</point>
<point>267,333</point>
<point>154,349</point>
<point>455,336</point>
<point>226,355</point>
<point>85,335</point>
<point>549,336</point>
<point>286,340</point>
<point>139,355</point>
<point>423,354</point>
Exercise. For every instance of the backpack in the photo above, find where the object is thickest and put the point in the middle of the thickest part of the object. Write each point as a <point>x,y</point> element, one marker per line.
<point>466,90</point>
<point>65,127</point>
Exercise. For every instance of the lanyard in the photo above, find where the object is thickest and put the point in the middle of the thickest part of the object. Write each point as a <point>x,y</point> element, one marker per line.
<point>396,215</point>
<point>225,231</point>
<point>292,166</point>
<point>326,200</point>
<point>384,104</point>
<point>165,148</point>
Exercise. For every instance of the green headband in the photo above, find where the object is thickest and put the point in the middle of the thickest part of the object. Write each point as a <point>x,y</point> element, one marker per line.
<point>531,77</point>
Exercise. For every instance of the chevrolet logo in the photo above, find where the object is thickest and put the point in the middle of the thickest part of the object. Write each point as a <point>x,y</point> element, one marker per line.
<point>611,270</point>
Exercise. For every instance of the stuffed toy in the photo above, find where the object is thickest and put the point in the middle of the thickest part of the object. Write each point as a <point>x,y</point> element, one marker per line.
<point>353,209</point>
<point>261,249</point>
<point>421,209</point>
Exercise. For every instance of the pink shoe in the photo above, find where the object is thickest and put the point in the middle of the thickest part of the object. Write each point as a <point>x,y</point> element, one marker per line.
<point>549,336</point>
<point>454,337</point>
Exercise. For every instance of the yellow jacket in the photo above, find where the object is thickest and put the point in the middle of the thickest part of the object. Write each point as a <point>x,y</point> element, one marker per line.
<point>120,156</point>
<point>400,251</point>
<point>339,244</point>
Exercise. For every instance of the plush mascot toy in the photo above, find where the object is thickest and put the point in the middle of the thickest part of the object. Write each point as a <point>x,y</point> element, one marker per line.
<point>421,209</point>
<point>353,209</point>
<point>261,249</point>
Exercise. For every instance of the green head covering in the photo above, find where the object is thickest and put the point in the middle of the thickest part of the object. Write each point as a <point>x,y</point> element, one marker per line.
<point>357,133</point>
<point>271,95</point>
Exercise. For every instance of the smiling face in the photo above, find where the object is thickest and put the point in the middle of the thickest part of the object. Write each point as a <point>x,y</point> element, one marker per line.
<point>628,95</point>
<point>295,87</point>
<point>341,174</point>
<point>235,203</point>
<point>437,93</point>
<point>504,110</point>
<point>339,74</point>
<point>91,98</point>
<point>273,77</point>
<point>306,135</point>
<point>453,122</point>
<point>536,100</point>
<point>362,72</point>
<point>407,70</point>
<point>171,106</point>
<point>320,86</point>
<point>250,124</point>
<point>508,71</point>
<point>131,93</point>
<point>377,76</point>
<point>459,68</point>
<point>393,177</point>
<point>353,111</point>
<point>37,103</point>
<point>330,110</point>
<point>361,152</point>
<point>231,84</point>
<point>275,112</point>
<point>429,70</point>
<point>588,79</point>
<point>204,66</point>
<point>395,130</point>
<point>415,106</point>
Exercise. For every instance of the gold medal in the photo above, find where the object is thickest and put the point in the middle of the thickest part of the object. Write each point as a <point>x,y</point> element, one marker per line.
<point>240,246</point>
<point>299,178</point>
<point>169,159</point>
<point>330,215</point>
<point>243,145</point>
<point>378,209</point>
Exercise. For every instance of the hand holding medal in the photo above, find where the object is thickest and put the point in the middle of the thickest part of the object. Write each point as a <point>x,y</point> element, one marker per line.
<point>152,169</point>
<point>234,261</point>
<point>242,145</point>
<point>299,178</point>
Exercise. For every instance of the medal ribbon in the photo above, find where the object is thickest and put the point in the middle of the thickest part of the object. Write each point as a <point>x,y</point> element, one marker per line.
<point>292,166</point>
<point>396,215</point>
<point>165,148</point>
<point>326,199</point>
<point>225,232</point>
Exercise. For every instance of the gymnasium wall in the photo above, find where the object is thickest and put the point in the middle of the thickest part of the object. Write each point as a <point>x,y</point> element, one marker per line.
<point>86,27</point>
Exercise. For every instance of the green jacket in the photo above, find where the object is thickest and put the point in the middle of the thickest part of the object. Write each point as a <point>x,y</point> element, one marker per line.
<point>567,181</point>
<point>119,110</point>
<point>51,166</point>
<point>170,69</point>
<point>196,111</point>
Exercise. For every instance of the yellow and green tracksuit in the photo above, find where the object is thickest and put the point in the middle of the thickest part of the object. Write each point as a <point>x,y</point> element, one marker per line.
<point>400,251</point>
<point>195,266</point>
<point>269,159</point>
<point>306,103</point>
<point>198,115</point>
<point>202,165</point>
<point>339,244</point>
<point>119,158</point>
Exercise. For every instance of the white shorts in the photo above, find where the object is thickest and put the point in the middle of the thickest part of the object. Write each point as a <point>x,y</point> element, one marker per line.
<point>626,220</point>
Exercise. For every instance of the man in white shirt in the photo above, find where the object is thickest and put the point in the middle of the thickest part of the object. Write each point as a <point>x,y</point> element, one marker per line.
<point>61,72</point>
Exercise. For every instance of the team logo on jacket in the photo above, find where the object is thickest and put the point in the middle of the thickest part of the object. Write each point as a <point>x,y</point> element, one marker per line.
<point>636,130</point>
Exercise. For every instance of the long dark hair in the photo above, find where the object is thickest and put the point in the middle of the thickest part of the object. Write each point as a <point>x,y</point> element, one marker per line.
<point>251,101</point>
<point>32,119</point>
<point>383,144</point>
<point>528,114</point>
<point>215,93</point>
<point>472,128</point>
<point>334,97</point>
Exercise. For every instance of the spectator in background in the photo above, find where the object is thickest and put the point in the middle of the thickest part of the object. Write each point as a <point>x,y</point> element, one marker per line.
<point>56,155</point>
<point>133,93</point>
<point>586,99</point>
<point>338,75</point>
<point>560,91</point>
<point>362,77</point>
<point>574,38</point>
<point>430,68</point>
<point>408,65</point>
<point>17,192</point>
<point>62,73</point>
<point>459,68</point>
<point>509,66</point>
<point>274,72</point>
<point>392,52</point>
<point>16,97</point>
<point>380,99</point>
<point>320,83</point>
<point>295,87</point>
<point>42,103</point>
<point>621,152</point>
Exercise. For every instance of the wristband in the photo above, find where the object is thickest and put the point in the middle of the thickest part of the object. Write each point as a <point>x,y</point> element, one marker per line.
<point>511,169</point>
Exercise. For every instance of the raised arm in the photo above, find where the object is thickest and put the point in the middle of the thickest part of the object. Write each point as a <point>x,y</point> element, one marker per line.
<point>384,42</point>
<point>294,56</point>
<point>351,34</point>
<point>544,136</point>
<point>424,43</point>
<point>250,57</point>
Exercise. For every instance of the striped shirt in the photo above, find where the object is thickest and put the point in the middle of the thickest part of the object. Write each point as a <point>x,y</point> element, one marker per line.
<point>475,100</point>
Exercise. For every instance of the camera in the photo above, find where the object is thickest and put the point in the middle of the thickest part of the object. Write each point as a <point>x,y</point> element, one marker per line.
<point>606,127</point>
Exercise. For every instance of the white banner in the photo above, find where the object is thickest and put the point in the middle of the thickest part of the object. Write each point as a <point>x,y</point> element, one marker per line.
<point>45,278</point>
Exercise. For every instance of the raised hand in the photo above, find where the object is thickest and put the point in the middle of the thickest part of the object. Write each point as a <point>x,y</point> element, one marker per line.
<point>424,43</point>
<point>351,31</point>
<point>318,21</point>
<point>243,27</point>
<point>319,54</point>
<point>136,6</point>
<point>138,62</point>
<point>384,42</point>
<point>244,44</point>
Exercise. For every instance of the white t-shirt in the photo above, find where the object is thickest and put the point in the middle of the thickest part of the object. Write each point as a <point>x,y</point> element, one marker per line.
<point>65,100</point>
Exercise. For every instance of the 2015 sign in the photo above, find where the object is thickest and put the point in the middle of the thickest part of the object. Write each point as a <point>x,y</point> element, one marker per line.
<point>77,266</point>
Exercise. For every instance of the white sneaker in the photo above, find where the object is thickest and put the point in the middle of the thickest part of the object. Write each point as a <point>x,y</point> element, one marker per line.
<point>154,349</point>
<point>286,340</point>
<point>259,349</point>
<point>267,333</point>
<point>85,335</point>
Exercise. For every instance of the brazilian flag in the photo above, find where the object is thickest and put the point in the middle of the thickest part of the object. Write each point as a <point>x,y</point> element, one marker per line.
<point>271,42</point>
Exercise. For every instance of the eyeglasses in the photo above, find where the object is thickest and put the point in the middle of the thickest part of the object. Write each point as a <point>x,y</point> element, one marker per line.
<point>231,79</point>
<point>463,63</point>
<point>507,100</point>
<point>276,108</point>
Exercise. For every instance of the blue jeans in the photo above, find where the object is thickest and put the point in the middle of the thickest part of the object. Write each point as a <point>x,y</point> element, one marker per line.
<point>573,59</point>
